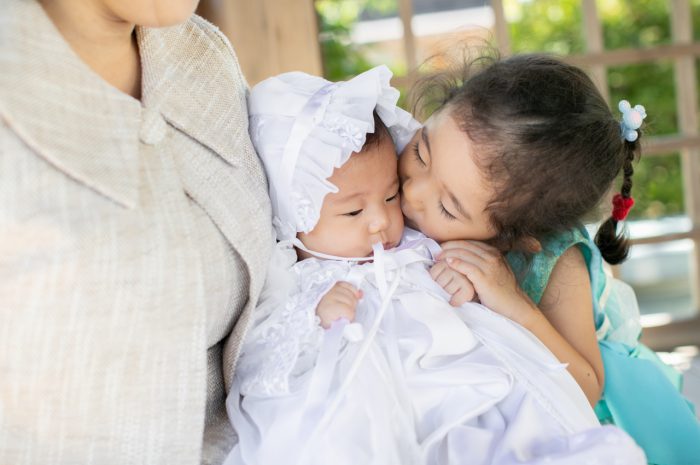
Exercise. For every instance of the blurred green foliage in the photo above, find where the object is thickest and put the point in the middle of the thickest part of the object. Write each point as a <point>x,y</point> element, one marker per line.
<point>556,26</point>
<point>341,57</point>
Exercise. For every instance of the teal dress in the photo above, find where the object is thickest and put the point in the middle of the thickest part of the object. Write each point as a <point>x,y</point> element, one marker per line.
<point>641,394</point>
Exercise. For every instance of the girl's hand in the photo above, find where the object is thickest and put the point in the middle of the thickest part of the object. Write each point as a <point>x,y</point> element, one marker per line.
<point>340,302</point>
<point>486,269</point>
<point>454,283</point>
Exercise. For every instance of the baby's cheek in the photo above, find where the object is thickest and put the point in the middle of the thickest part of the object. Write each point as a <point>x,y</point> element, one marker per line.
<point>397,224</point>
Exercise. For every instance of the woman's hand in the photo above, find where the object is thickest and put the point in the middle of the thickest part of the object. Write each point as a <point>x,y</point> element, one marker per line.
<point>486,269</point>
<point>340,302</point>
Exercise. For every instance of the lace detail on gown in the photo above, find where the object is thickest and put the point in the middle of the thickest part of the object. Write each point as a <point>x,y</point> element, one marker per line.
<point>283,346</point>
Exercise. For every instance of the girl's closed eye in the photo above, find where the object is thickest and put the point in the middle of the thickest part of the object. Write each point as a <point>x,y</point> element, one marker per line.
<point>445,213</point>
<point>393,197</point>
<point>416,153</point>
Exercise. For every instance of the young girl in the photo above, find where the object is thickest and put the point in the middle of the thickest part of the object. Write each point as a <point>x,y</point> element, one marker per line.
<point>514,156</point>
<point>411,380</point>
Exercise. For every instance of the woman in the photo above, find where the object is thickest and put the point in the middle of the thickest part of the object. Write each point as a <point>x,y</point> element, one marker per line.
<point>134,232</point>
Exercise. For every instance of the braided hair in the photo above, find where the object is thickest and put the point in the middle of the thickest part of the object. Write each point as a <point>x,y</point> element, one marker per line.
<point>614,246</point>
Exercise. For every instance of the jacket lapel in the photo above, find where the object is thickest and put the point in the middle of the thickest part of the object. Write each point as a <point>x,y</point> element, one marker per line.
<point>211,106</point>
<point>213,111</point>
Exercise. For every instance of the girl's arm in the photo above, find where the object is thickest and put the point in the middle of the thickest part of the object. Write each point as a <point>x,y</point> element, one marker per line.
<point>564,319</point>
<point>564,322</point>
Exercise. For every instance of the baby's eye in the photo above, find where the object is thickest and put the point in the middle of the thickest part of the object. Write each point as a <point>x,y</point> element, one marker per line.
<point>353,213</point>
<point>393,197</point>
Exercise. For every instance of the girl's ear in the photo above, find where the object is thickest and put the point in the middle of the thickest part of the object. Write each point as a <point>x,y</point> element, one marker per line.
<point>529,244</point>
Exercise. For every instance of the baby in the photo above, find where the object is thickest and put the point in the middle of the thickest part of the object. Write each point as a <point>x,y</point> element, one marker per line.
<point>412,380</point>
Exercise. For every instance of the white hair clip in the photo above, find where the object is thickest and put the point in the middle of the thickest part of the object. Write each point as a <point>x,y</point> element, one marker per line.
<point>631,120</point>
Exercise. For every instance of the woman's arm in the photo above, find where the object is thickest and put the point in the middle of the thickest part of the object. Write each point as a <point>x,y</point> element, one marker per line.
<point>564,319</point>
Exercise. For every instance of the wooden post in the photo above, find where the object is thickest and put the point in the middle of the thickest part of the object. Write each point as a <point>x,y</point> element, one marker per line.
<point>409,41</point>
<point>501,26</point>
<point>687,108</point>
<point>593,38</point>
<point>593,35</point>
<point>269,36</point>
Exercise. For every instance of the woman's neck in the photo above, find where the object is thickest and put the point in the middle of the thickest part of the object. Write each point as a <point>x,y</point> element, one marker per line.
<point>106,43</point>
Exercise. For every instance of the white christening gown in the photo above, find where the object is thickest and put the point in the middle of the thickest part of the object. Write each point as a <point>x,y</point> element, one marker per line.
<point>412,381</point>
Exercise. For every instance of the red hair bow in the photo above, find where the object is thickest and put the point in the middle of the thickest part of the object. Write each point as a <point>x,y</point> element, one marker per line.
<point>621,207</point>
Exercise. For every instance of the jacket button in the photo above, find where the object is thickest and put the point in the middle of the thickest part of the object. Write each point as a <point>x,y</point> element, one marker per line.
<point>153,127</point>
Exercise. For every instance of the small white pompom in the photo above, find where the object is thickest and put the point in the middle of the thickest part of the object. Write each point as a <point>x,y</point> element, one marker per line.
<point>354,332</point>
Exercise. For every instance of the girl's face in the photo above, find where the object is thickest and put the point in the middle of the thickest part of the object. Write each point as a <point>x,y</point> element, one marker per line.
<point>445,194</point>
<point>365,210</point>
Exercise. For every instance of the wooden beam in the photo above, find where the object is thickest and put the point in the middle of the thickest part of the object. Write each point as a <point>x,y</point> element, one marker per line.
<point>628,56</point>
<point>692,234</point>
<point>687,108</point>
<point>665,145</point>
<point>625,56</point>
<point>672,335</point>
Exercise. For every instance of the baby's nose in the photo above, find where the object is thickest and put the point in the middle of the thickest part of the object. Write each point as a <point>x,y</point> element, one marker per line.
<point>378,226</point>
<point>379,223</point>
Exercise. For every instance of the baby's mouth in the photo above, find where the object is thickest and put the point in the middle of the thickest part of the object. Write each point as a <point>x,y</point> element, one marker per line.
<point>385,246</point>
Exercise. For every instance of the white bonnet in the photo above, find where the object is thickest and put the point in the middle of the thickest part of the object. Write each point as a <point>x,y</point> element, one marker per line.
<point>303,127</point>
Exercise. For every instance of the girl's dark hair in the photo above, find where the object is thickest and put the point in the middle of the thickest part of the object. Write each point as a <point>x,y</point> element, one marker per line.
<point>545,135</point>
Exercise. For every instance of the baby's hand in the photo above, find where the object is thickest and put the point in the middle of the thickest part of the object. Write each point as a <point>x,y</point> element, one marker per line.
<point>486,269</point>
<point>339,302</point>
<point>453,282</point>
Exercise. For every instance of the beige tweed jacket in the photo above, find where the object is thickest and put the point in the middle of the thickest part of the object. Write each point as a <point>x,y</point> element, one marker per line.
<point>134,238</point>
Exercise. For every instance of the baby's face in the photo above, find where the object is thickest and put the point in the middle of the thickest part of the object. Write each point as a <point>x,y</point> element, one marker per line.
<point>445,194</point>
<point>365,210</point>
